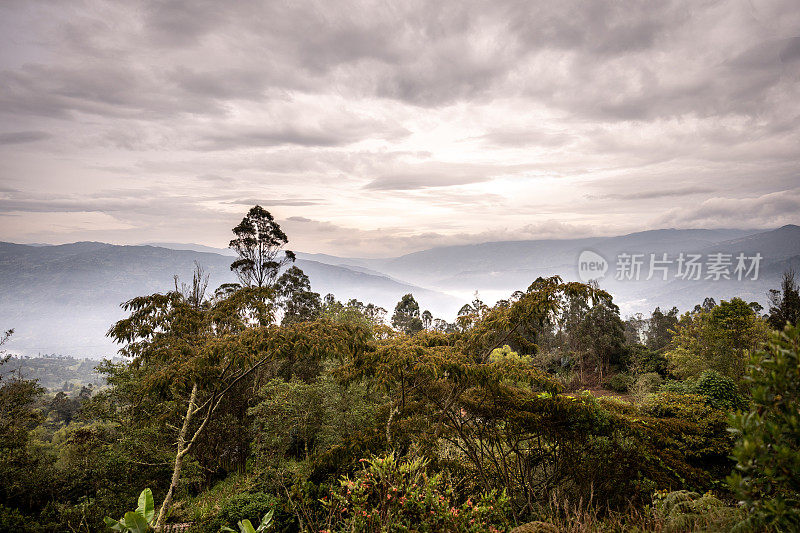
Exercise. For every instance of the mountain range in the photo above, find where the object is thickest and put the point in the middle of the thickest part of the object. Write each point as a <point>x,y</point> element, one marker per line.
<point>63,298</point>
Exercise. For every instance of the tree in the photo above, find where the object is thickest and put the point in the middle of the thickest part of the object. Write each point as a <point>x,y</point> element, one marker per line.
<point>635,329</point>
<point>605,335</point>
<point>784,303</point>
<point>427,319</point>
<point>259,242</point>
<point>720,339</point>
<point>707,305</point>
<point>18,417</point>
<point>767,476</point>
<point>406,315</point>
<point>660,328</point>
<point>192,352</point>
<point>299,302</point>
<point>471,313</point>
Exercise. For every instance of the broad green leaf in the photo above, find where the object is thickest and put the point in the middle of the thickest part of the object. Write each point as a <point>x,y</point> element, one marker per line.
<point>113,524</point>
<point>136,522</point>
<point>246,527</point>
<point>265,522</point>
<point>226,529</point>
<point>146,505</point>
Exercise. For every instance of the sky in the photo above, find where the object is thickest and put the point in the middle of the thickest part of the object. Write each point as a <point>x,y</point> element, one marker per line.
<point>375,129</point>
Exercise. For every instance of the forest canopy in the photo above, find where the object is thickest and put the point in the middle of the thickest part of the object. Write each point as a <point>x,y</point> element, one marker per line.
<point>263,402</point>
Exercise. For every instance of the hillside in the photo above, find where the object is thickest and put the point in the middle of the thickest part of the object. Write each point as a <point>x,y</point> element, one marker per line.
<point>64,298</point>
<point>498,268</point>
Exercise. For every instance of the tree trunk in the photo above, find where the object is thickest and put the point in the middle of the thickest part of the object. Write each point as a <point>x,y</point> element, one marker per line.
<point>176,470</point>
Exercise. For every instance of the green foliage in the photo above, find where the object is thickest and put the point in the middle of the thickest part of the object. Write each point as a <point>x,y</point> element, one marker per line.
<point>691,427</point>
<point>56,373</point>
<point>684,510</point>
<point>406,317</point>
<point>719,339</point>
<point>644,360</point>
<point>258,243</point>
<point>139,521</point>
<point>241,508</point>
<point>299,302</point>
<point>619,383</point>
<point>505,353</point>
<point>660,328</point>
<point>12,520</point>
<point>391,495</point>
<point>767,451</point>
<point>301,420</point>
<point>784,303</point>
<point>645,384</point>
<point>245,526</point>
<point>719,391</point>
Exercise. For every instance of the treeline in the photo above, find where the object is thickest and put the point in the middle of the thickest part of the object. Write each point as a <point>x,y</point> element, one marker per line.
<point>263,401</point>
<point>56,372</point>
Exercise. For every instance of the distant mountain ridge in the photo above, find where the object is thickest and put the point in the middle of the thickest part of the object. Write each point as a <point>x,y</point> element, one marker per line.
<point>496,269</point>
<point>62,298</point>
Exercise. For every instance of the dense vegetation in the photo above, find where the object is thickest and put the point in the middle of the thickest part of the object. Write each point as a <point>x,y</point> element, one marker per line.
<point>265,403</point>
<point>56,372</point>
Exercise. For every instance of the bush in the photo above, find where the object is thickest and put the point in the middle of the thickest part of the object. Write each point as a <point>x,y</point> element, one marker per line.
<point>251,506</point>
<point>646,384</point>
<point>390,495</point>
<point>768,448</point>
<point>619,383</point>
<point>697,430</point>
<point>683,510</point>
<point>11,519</point>
<point>719,391</point>
<point>643,360</point>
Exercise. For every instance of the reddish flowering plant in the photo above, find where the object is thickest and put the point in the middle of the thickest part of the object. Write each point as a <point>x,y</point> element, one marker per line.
<point>402,496</point>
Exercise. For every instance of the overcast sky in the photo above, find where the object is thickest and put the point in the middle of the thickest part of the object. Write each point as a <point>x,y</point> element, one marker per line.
<point>371,129</point>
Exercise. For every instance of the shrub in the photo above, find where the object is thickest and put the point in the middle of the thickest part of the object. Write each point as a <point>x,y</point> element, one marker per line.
<point>696,430</point>
<point>683,510</point>
<point>618,383</point>
<point>247,506</point>
<point>645,360</point>
<point>391,495</point>
<point>645,384</point>
<point>676,386</point>
<point>720,391</point>
<point>768,447</point>
<point>11,519</point>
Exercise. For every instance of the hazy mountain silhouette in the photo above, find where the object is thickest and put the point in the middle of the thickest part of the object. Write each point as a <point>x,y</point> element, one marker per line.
<point>64,298</point>
<point>496,269</point>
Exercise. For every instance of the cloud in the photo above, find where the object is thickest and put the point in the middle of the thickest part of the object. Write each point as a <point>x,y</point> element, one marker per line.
<point>404,126</point>
<point>409,181</point>
<point>765,211</point>
<point>660,193</point>
<point>20,137</point>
